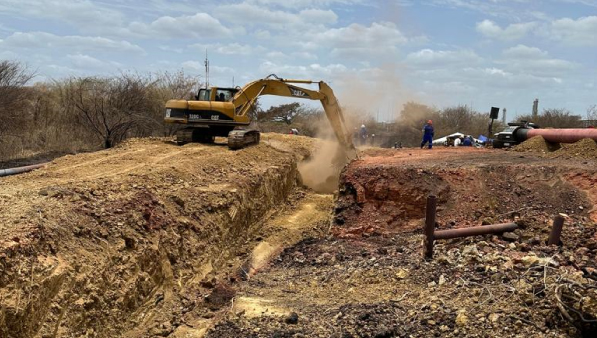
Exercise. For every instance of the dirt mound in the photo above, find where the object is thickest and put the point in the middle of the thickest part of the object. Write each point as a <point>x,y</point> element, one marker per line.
<point>586,148</point>
<point>536,144</point>
<point>387,194</point>
<point>131,241</point>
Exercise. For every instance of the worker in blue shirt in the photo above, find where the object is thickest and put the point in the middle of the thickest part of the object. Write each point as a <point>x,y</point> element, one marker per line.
<point>428,134</point>
<point>467,142</point>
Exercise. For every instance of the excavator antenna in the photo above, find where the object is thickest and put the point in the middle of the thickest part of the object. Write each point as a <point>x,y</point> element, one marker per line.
<point>206,62</point>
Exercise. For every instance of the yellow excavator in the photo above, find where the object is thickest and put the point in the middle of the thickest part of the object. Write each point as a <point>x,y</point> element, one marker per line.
<point>225,112</point>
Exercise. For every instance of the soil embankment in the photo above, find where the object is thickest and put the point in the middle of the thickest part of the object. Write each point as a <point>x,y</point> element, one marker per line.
<point>147,239</point>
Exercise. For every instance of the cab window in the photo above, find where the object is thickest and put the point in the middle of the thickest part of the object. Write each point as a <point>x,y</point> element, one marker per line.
<point>223,95</point>
<point>204,94</point>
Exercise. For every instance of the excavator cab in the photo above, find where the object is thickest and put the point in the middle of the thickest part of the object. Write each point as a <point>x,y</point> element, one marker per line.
<point>216,94</point>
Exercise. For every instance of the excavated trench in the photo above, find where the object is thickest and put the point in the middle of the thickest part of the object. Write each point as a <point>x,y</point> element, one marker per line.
<point>144,240</point>
<point>370,278</point>
<point>153,240</point>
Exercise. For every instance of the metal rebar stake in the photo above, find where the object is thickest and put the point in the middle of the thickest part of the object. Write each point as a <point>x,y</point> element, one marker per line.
<point>556,230</point>
<point>430,226</point>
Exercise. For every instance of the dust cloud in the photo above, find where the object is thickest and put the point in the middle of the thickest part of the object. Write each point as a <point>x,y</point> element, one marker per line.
<point>361,97</point>
<point>321,171</point>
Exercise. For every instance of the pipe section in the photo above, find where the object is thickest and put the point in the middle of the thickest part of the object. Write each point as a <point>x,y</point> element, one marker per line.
<point>558,135</point>
<point>20,170</point>
<point>474,231</point>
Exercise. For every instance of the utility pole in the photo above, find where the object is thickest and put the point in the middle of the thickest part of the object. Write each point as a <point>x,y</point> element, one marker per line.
<point>206,70</point>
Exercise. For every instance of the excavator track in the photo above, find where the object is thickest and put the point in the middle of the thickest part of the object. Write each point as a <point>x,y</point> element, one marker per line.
<point>192,135</point>
<point>238,139</point>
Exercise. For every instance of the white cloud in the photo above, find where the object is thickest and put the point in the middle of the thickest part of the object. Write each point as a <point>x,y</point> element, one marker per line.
<point>580,32</point>
<point>276,55</point>
<point>166,48</point>
<point>317,16</point>
<point>83,14</point>
<point>302,3</point>
<point>431,58</point>
<point>229,49</point>
<point>200,25</point>
<point>246,13</point>
<point>524,52</point>
<point>42,40</point>
<point>512,32</point>
<point>262,34</point>
<point>305,55</point>
<point>357,40</point>
<point>199,66</point>
<point>313,71</point>
<point>8,55</point>
<point>87,62</point>
<point>531,60</point>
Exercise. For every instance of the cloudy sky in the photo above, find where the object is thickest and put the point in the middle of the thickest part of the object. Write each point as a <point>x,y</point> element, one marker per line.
<point>375,54</point>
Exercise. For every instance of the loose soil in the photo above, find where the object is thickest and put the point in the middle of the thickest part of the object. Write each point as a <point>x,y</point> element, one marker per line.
<point>155,240</point>
<point>586,148</point>
<point>367,278</point>
<point>583,149</point>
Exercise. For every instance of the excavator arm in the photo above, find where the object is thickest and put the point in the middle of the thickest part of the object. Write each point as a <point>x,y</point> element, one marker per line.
<point>273,85</point>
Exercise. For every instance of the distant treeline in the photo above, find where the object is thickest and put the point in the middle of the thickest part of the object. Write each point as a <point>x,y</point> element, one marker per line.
<point>82,113</point>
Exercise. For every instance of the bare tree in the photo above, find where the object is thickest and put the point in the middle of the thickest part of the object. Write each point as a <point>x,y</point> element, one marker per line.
<point>111,108</point>
<point>282,113</point>
<point>13,78</point>
<point>170,86</point>
<point>592,112</point>
<point>555,118</point>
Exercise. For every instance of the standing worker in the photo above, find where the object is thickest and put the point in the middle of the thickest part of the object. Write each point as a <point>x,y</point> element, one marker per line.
<point>363,134</point>
<point>428,134</point>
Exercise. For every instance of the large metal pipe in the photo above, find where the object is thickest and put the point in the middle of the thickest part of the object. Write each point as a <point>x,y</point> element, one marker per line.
<point>20,170</point>
<point>557,135</point>
<point>474,231</point>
